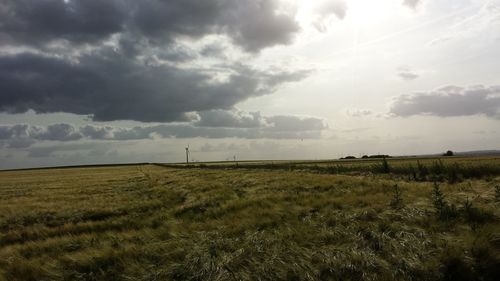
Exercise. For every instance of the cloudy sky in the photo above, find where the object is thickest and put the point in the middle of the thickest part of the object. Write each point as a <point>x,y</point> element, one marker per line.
<point>93,81</point>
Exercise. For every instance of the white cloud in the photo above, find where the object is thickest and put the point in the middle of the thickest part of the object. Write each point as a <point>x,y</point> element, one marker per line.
<point>356,112</point>
<point>327,9</point>
<point>450,101</point>
<point>412,3</point>
<point>406,73</point>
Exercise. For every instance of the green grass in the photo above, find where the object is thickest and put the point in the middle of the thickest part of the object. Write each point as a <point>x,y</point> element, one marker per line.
<point>150,222</point>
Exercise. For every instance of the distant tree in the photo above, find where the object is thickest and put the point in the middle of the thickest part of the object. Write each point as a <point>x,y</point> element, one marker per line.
<point>364,156</point>
<point>349,157</point>
<point>448,153</point>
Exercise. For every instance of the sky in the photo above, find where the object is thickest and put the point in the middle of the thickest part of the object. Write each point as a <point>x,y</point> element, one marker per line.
<point>120,81</point>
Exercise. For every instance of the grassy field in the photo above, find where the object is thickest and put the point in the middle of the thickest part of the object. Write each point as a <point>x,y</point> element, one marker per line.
<point>407,219</point>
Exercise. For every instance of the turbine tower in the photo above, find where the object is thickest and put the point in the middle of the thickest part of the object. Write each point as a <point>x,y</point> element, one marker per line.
<point>187,154</point>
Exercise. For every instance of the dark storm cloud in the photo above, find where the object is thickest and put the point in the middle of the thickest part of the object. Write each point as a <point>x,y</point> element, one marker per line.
<point>255,25</point>
<point>286,123</point>
<point>110,87</point>
<point>23,135</point>
<point>37,22</point>
<point>17,136</point>
<point>14,131</point>
<point>234,124</point>
<point>232,119</point>
<point>119,59</point>
<point>97,132</point>
<point>213,51</point>
<point>188,131</point>
<point>278,123</point>
<point>55,132</point>
<point>59,132</point>
<point>18,143</point>
<point>176,53</point>
<point>251,24</point>
<point>450,101</point>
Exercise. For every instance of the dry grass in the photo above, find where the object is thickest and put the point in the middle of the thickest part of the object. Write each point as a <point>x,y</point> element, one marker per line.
<point>161,223</point>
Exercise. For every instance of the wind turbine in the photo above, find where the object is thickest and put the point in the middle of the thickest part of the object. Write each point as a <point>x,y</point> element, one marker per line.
<point>187,154</point>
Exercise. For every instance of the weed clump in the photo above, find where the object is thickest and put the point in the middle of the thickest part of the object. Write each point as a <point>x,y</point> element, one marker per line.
<point>454,265</point>
<point>438,197</point>
<point>453,172</point>
<point>486,259</point>
<point>397,199</point>
<point>475,215</point>
<point>385,166</point>
<point>497,193</point>
<point>468,212</point>
<point>382,167</point>
<point>437,167</point>
<point>445,210</point>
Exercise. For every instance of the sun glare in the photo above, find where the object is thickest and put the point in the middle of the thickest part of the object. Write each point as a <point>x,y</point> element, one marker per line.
<point>359,13</point>
<point>364,13</point>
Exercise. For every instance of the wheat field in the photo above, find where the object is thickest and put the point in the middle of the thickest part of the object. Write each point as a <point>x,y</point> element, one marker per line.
<point>199,222</point>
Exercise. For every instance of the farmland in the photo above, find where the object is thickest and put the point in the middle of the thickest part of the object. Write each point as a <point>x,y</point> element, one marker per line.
<point>405,219</point>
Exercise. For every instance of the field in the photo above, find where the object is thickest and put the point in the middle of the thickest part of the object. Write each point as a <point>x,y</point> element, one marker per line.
<point>395,219</point>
